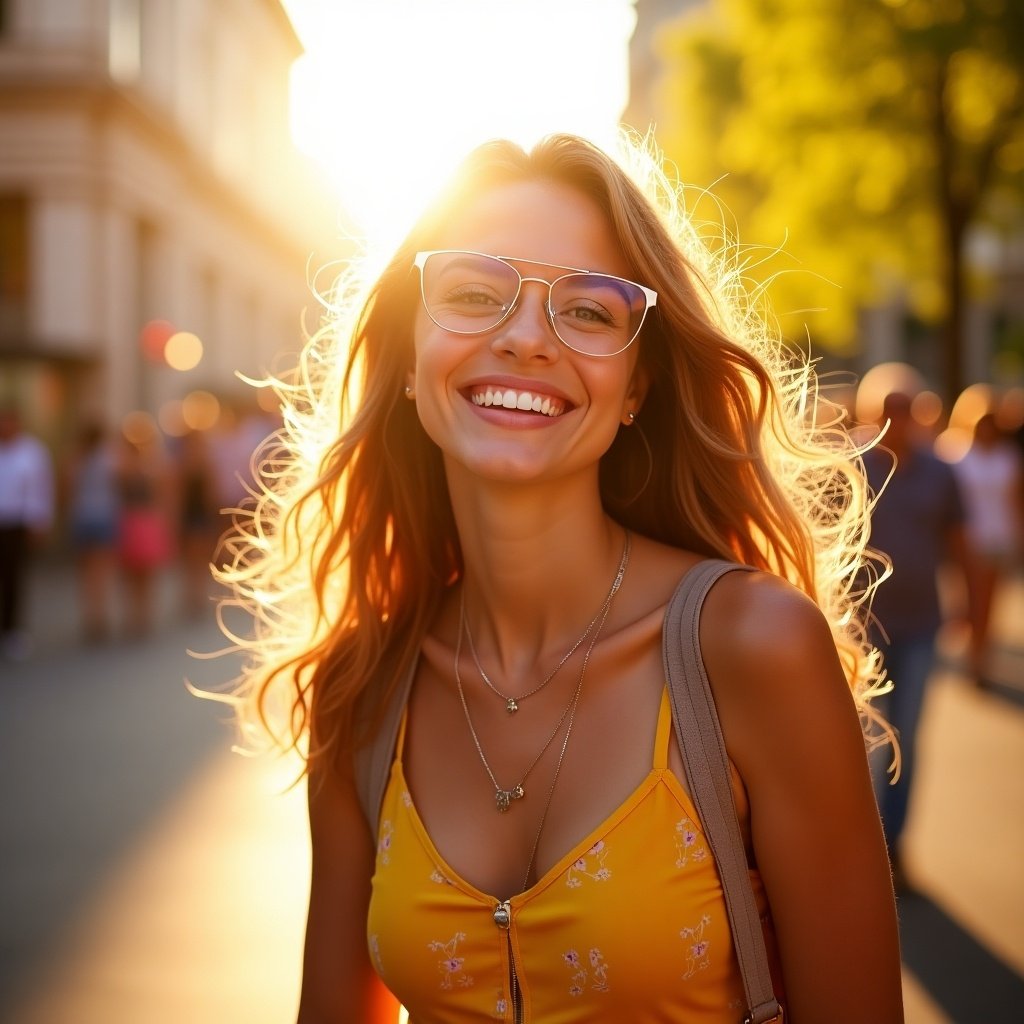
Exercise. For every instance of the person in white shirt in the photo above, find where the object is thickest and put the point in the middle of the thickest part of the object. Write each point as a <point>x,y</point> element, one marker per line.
<point>990,479</point>
<point>26,514</point>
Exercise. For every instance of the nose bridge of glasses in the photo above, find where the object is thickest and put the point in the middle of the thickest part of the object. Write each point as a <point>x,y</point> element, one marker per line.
<point>545,284</point>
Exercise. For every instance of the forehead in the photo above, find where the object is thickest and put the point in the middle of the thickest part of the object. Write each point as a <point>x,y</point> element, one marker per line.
<point>536,220</point>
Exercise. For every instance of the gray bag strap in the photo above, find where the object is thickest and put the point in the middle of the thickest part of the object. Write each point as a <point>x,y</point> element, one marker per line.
<point>707,771</point>
<point>373,760</point>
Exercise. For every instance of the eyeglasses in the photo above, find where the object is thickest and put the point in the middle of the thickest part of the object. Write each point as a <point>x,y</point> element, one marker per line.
<point>471,292</point>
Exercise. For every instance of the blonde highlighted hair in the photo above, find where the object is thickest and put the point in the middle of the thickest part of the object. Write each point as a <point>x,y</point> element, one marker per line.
<point>348,552</point>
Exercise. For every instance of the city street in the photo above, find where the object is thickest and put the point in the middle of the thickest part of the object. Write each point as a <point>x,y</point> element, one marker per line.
<point>150,876</point>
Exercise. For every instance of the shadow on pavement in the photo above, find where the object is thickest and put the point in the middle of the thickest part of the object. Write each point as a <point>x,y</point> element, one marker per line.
<point>971,985</point>
<point>94,744</point>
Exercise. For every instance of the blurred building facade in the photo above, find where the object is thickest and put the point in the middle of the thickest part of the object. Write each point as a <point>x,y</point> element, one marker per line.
<point>147,176</point>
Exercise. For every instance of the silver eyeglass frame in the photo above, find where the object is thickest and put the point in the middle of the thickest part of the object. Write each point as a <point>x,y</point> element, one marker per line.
<point>649,294</point>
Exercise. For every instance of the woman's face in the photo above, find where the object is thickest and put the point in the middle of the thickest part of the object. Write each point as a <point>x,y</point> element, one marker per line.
<point>584,399</point>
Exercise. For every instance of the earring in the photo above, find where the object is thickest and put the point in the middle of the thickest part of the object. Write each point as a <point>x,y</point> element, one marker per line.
<point>410,393</point>
<point>632,417</point>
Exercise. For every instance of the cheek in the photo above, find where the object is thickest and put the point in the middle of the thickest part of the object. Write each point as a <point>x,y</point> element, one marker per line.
<point>433,350</point>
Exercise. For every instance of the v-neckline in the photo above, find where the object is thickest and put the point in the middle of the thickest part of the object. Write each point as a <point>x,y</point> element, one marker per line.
<point>610,822</point>
<point>658,773</point>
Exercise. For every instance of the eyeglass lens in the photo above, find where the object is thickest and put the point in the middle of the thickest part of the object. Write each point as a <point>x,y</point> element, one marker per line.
<point>467,293</point>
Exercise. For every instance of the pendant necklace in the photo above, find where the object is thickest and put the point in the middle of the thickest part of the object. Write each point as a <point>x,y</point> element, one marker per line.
<point>512,703</point>
<point>503,797</point>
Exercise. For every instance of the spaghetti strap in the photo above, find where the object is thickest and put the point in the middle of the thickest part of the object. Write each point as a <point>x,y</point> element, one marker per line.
<point>400,742</point>
<point>664,733</point>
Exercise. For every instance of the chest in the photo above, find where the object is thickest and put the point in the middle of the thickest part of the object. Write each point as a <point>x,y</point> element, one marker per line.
<point>575,765</point>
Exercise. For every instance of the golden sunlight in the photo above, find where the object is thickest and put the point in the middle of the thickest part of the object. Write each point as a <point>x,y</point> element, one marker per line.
<point>390,95</point>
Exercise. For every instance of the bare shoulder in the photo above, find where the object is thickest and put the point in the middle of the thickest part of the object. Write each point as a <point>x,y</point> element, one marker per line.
<point>773,665</point>
<point>758,620</point>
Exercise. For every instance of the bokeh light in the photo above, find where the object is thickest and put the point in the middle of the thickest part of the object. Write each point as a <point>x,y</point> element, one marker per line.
<point>885,379</point>
<point>926,408</point>
<point>268,400</point>
<point>153,339</point>
<point>139,428</point>
<point>200,410</point>
<point>183,351</point>
<point>972,403</point>
<point>171,420</point>
<point>955,441</point>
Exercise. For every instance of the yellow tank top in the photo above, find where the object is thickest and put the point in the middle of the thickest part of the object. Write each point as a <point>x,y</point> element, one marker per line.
<point>630,925</point>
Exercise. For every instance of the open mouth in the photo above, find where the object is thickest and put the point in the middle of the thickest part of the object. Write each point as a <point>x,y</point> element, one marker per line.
<point>524,401</point>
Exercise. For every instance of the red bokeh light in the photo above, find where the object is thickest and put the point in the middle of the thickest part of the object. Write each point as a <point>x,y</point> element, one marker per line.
<point>153,339</point>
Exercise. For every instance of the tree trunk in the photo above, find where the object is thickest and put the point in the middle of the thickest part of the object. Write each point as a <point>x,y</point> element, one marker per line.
<point>954,224</point>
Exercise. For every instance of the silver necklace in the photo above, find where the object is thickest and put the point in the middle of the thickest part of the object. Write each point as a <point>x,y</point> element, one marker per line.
<point>512,703</point>
<point>503,797</point>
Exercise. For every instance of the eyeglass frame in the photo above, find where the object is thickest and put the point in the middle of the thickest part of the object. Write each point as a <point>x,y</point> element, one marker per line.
<point>651,296</point>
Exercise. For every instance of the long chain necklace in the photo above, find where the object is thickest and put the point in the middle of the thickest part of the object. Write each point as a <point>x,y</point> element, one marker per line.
<point>512,703</point>
<point>504,797</point>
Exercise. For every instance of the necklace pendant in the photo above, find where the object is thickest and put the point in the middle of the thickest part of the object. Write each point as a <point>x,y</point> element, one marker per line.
<point>504,797</point>
<point>511,706</point>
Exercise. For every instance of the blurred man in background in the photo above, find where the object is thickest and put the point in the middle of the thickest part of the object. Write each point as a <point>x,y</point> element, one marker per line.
<point>918,523</point>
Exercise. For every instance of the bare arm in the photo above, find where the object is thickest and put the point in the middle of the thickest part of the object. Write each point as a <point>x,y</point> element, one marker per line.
<point>792,730</point>
<point>339,984</point>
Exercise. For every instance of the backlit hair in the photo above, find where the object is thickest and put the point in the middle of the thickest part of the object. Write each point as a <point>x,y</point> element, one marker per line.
<point>352,544</point>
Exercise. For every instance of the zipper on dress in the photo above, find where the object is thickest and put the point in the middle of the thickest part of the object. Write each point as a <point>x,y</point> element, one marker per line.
<point>503,918</point>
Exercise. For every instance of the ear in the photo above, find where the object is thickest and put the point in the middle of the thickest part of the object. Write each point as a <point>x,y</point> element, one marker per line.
<point>639,383</point>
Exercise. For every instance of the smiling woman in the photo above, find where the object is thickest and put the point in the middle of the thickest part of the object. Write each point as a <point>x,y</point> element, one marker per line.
<point>549,420</point>
<point>391,94</point>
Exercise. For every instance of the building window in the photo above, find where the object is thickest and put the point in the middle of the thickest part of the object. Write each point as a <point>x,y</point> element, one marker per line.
<point>14,264</point>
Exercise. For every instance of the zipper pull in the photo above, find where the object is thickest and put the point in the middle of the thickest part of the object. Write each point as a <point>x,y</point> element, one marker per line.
<point>502,915</point>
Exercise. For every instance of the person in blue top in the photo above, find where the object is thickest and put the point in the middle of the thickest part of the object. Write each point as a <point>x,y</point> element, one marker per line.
<point>918,523</point>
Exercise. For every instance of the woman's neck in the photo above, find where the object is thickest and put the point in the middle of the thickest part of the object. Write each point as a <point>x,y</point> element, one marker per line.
<point>539,562</point>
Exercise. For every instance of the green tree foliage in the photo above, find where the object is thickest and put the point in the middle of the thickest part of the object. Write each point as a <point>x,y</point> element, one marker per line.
<point>863,137</point>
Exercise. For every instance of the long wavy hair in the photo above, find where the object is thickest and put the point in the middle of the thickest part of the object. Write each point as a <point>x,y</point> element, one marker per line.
<point>345,558</point>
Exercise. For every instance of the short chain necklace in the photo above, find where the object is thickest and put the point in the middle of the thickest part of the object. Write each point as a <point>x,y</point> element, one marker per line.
<point>504,797</point>
<point>512,703</point>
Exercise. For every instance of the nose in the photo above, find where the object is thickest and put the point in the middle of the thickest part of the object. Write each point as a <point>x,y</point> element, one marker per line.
<point>527,333</point>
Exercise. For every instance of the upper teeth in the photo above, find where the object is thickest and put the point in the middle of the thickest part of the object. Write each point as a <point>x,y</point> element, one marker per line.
<point>523,400</point>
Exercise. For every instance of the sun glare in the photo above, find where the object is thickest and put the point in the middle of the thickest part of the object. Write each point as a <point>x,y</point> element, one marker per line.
<point>391,94</point>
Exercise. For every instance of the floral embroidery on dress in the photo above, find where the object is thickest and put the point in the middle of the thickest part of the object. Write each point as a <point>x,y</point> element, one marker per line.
<point>590,865</point>
<point>450,965</point>
<point>688,843</point>
<point>406,798</point>
<point>500,1008</point>
<point>384,843</point>
<point>438,879</point>
<point>597,974</point>
<point>697,947</point>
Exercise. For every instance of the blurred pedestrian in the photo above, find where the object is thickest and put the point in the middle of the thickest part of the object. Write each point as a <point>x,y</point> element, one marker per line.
<point>918,523</point>
<point>990,479</point>
<point>198,517</point>
<point>144,532</point>
<point>240,431</point>
<point>26,514</point>
<point>93,510</point>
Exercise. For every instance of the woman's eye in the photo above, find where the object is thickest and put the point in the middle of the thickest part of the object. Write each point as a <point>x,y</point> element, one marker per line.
<point>588,313</point>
